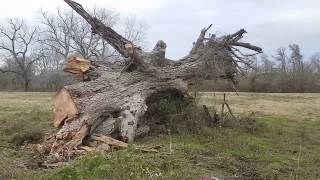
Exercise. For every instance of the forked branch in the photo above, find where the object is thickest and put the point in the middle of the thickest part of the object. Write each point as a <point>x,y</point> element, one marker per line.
<point>233,40</point>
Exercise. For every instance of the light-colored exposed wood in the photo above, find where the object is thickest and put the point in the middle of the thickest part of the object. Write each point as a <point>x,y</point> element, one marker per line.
<point>79,67</point>
<point>64,107</point>
<point>110,141</point>
<point>128,125</point>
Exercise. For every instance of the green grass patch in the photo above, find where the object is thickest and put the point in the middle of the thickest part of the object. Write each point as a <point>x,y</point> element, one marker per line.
<point>264,154</point>
<point>266,147</point>
<point>24,118</point>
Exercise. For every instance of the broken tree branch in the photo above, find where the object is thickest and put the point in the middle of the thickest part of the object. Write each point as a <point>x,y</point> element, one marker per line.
<point>113,38</point>
<point>247,45</point>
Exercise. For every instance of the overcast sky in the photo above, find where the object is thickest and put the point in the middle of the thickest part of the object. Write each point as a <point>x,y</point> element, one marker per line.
<point>270,23</point>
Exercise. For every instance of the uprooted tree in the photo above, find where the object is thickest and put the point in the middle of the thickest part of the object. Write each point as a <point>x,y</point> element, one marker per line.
<point>111,97</point>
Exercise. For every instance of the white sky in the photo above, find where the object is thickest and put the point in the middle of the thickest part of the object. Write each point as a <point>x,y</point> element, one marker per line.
<point>270,23</point>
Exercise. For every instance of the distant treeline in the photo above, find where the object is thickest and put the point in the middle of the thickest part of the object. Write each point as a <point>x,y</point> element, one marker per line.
<point>32,57</point>
<point>286,71</point>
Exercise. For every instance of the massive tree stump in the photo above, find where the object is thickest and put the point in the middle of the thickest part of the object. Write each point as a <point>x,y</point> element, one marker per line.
<point>111,97</point>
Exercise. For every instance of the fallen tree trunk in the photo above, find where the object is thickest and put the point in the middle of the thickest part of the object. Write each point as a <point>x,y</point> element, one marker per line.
<point>110,97</point>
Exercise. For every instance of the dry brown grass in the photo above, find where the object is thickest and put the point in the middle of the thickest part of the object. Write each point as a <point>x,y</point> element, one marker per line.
<point>293,106</point>
<point>26,100</point>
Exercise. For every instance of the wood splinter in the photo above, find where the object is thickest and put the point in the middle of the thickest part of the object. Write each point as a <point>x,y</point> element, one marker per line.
<point>110,141</point>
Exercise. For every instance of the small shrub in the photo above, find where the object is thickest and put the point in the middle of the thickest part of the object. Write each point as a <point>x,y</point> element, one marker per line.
<point>176,113</point>
<point>249,124</point>
<point>245,122</point>
<point>33,136</point>
<point>22,132</point>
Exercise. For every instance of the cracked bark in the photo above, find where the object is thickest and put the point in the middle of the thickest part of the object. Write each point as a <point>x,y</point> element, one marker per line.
<point>112,97</point>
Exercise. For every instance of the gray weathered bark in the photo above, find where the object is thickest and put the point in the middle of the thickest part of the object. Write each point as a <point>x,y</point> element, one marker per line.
<point>114,96</point>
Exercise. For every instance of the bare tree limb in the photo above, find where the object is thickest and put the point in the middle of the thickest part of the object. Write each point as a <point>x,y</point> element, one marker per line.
<point>247,45</point>
<point>117,41</point>
<point>9,71</point>
<point>200,41</point>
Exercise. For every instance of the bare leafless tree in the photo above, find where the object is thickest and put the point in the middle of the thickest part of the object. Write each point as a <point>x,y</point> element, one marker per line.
<point>67,33</point>
<point>134,30</point>
<point>296,57</point>
<point>315,63</point>
<point>17,46</point>
<point>281,57</point>
<point>266,63</point>
<point>56,35</point>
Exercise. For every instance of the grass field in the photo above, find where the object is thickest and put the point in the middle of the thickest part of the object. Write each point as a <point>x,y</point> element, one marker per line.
<point>284,143</point>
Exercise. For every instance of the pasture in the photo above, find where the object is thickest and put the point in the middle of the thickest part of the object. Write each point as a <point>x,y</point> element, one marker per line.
<point>283,142</point>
